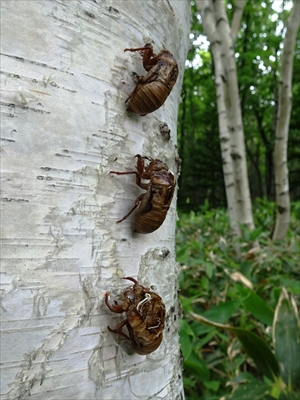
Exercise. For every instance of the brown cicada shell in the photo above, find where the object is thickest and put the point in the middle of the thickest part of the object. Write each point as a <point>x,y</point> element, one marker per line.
<point>155,203</point>
<point>145,317</point>
<point>153,89</point>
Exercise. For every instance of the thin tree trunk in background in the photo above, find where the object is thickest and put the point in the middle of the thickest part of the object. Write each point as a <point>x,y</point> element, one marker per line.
<point>209,24</point>
<point>282,126</point>
<point>217,28</point>
<point>267,153</point>
<point>236,129</point>
<point>257,185</point>
<point>65,78</point>
<point>237,18</point>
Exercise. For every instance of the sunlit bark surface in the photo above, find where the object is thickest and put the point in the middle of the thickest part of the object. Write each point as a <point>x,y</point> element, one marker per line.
<point>65,79</point>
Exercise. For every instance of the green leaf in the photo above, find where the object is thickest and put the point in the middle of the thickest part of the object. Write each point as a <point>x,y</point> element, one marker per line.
<point>289,396</point>
<point>204,282</point>
<point>185,327</point>
<point>255,233</point>
<point>185,344</point>
<point>243,377</point>
<point>185,339</point>
<point>186,302</point>
<point>188,382</point>
<point>250,391</point>
<point>181,254</point>
<point>199,329</point>
<point>259,351</point>
<point>212,385</point>
<point>223,311</point>
<point>293,286</point>
<point>257,306</point>
<point>197,367</point>
<point>209,269</point>
<point>223,245</point>
<point>286,337</point>
<point>256,348</point>
<point>201,342</point>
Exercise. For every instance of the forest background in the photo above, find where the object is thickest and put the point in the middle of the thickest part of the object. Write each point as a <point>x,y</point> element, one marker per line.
<point>258,49</point>
<point>235,301</point>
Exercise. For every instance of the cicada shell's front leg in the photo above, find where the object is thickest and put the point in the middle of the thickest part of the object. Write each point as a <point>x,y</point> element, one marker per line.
<point>118,329</point>
<point>149,58</point>
<point>117,308</point>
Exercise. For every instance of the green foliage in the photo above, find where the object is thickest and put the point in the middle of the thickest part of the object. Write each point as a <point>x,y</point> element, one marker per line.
<point>258,52</point>
<point>258,63</point>
<point>240,329</point>
<point>286,338</point>
<point>198,137</point>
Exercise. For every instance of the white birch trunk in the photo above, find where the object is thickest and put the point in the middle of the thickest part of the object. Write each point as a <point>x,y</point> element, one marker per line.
<point>234,113</point>
<point>65,78</point>
<point>237,18</point>
<point>209,25</point>
<point>282,126</point>
<point>216,26</point>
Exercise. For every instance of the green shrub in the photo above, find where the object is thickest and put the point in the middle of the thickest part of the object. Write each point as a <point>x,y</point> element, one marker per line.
<point>240,329</point>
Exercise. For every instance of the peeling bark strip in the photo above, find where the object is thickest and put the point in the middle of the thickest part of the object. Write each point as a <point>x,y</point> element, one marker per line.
<point>282,125</point>
<point>216,26</point>
<point>64,127</point>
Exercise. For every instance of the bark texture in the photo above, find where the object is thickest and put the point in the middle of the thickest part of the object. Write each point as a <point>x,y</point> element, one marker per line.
<point>210,27</point>
<point>282,126</point>
<point>216,26</point>
<point>65,78</point>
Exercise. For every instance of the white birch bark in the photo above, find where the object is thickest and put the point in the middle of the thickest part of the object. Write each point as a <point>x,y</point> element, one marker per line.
<point>237,18</point>
<point>65,78</point>
<point>282,126</point>
<point>209,24</point>
<point>234,114</point>
<point>218,32</point>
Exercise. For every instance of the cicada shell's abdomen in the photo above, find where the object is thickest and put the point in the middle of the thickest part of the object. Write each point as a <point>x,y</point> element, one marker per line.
<point>153,89</point>
<point>148,98</point>
<point>149,334</point>
<point>156,203</point>
<point>153,205</point>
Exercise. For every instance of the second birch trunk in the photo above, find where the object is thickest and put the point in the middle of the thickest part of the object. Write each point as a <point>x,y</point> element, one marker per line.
<point>282,126</point>
<point>217,28</point>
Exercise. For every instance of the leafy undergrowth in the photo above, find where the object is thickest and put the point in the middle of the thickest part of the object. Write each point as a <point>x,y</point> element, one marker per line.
<point>240,334</point>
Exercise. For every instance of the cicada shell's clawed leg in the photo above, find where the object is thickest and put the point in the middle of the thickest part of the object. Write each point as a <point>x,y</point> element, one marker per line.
<point>137,202</point>
<point>117,308</point>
